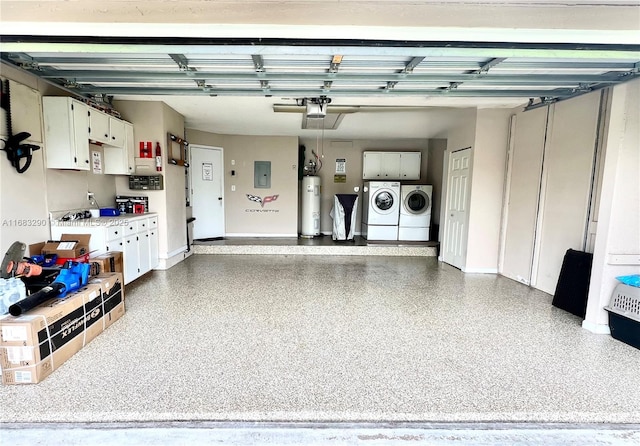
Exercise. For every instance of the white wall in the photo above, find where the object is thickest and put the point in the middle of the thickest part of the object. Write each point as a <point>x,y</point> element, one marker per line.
<point>617,243</point>
<point>29,197</point>
<point>435,172</point>
<point>67,189</point>
<point>399,19</point>
<point>152,120</point>
<point>242,216</point>
<point>23,198</point>
<point>461,136</point>
<point>351,151</point>
<point>174,188</point>
<point>489,155</point>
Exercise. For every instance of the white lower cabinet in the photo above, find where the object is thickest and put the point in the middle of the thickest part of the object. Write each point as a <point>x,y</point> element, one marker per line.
<point>135,236</point>
<point>131,258</point>
<point>153,248</point>
<point>144,252</point>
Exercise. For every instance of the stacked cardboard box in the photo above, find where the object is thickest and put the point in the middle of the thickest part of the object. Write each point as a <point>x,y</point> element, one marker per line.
<point>109,263</point>
<point>73,247</point>
<point>36,343</point>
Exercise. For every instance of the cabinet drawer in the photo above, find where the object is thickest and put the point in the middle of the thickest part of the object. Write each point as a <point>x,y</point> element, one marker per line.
<point>153,222</point>
<point>131,228</point>
<point>143,225</point>
<point>114,232</point>
<point>115,245</point>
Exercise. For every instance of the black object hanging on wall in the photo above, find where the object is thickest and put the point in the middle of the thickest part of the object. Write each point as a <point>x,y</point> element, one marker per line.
<point>301,160</point>
<point>572,289</point>
<point>16,151</point>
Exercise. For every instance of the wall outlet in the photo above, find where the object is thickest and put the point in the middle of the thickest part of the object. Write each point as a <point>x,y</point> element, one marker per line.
<point>90,196</point>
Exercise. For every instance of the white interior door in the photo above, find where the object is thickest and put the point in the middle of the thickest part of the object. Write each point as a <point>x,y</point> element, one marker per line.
<point>207,198</point>
<point>524,190</point>
<point>458,184</point>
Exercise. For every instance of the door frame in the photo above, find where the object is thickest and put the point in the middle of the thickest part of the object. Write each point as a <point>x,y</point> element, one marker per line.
<point>221,172</point>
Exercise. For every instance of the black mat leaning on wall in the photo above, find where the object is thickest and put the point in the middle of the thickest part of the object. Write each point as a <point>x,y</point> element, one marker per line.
<point>572,289</point>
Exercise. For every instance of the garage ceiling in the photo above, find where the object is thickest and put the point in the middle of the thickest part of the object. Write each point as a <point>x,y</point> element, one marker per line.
<point>390,57</point>
<point>299,69</point>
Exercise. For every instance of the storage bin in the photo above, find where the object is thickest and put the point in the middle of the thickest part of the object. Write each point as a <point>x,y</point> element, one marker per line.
<point>624,314</point>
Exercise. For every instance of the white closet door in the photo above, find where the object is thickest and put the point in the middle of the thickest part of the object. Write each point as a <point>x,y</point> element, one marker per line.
<point>566,187</point>
<point>524,189</point>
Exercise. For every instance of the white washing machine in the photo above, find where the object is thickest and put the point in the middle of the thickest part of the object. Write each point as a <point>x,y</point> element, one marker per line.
<point>381,210</point>
<point>415,212</point>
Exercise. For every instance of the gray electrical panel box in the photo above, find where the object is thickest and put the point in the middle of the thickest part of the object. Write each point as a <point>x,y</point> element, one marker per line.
<point>262,174</point>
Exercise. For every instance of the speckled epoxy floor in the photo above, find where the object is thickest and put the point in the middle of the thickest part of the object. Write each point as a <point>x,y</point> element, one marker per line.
<point>336,338</point>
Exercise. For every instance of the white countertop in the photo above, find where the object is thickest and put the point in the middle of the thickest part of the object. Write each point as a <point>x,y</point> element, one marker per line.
<point>119,220</point>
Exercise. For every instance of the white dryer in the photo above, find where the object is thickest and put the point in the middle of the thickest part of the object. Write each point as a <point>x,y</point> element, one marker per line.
<point>415,212</point>
<point>381,210</point>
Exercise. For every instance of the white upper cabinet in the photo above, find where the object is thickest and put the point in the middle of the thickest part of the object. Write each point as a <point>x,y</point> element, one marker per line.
<point>383,166</point>
<point>106,129</point>
<point>410,165</point>
<point>66,129</point>
<point>116,132</point>
<point>98,126</point>
<point>120,160</point>
<point>70,125</point>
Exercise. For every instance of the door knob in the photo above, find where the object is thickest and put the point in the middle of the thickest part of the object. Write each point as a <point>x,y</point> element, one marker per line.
<point>220,198</point>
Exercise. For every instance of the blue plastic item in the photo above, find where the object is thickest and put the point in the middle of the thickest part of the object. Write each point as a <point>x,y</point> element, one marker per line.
<point>73,275</point>
<point>631,280</point>
<point>109,212</point>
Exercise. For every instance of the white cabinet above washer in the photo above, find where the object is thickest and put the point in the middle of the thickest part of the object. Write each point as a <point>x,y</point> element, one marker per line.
<point>391,165</point>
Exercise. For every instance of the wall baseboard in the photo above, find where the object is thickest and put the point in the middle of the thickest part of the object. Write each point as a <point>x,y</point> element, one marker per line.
<point>480,270</point>
<point>238,234</point>
<point>172,259</point>
<point>596,328</point>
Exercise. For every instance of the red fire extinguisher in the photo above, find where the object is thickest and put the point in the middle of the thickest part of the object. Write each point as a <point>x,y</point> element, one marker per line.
<point>158,157</point>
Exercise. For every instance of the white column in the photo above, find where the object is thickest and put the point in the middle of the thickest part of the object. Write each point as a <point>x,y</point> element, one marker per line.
<point>617,242</point>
